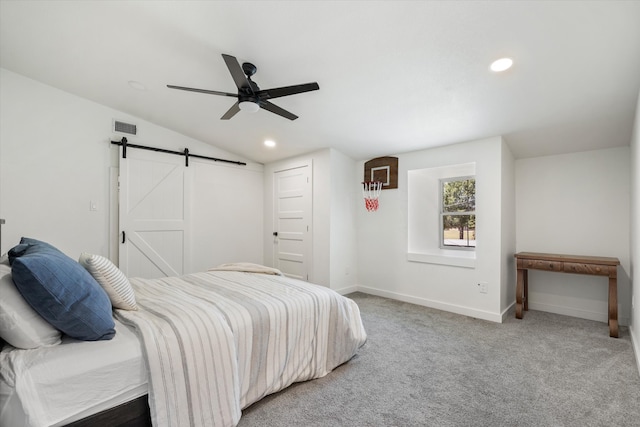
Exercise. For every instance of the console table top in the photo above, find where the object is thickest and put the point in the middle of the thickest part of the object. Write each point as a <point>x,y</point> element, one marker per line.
<point>568,258</point>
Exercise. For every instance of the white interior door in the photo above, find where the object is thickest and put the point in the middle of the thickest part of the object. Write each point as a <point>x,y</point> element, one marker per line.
<point>293,220</point>
<point>153,214</point>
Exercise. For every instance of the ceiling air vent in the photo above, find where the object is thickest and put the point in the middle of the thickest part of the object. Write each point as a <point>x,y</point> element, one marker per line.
<point>123,127</point>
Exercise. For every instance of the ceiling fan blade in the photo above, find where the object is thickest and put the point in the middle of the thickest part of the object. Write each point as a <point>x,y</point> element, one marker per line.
<point>231,111</point>
<point>236,72</point>
<point>277,110</point>
<point>287,90</point>
<point>211,92</point>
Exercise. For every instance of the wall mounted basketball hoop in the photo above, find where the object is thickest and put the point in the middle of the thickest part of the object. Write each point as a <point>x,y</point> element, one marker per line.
<point>371,191</point>
<point>380,174</point>
<point>383,169</point>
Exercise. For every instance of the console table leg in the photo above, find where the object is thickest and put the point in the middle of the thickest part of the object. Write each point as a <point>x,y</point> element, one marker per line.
<point>613,306</point>
<point>525,276</point>
<point>519,292</point>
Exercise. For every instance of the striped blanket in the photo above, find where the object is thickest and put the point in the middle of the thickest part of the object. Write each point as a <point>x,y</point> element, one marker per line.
<point>219,341</point>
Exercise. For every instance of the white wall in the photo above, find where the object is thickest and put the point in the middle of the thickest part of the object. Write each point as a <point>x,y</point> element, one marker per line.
<point>575,204</point>
<point>227,211</point>
<point>508,232</point>
<point>635,235</point>
<point>345,198</point>
<point>334,228</point>
<point>56,157</point>
<point>321,218</point>
<point>383,268</point>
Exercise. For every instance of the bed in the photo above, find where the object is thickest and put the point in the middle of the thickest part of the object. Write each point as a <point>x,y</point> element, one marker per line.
<point>195,351</point>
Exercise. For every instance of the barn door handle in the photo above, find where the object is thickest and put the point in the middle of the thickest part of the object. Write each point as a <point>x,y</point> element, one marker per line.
<point>124,237</point>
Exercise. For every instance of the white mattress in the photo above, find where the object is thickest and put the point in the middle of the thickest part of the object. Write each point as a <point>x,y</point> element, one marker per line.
<point>53,386</point>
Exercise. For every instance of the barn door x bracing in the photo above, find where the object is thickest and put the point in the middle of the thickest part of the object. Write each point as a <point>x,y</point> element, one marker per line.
<point>153,214</point>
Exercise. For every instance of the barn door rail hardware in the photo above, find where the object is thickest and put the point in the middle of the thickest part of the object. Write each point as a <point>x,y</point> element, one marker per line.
<point>123,142</point>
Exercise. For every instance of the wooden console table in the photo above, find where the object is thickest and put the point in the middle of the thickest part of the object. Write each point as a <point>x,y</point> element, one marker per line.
<point>598,266</point>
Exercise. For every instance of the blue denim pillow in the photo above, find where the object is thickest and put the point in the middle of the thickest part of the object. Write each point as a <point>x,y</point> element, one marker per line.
<point>25,244</point>
<point>61,291</point>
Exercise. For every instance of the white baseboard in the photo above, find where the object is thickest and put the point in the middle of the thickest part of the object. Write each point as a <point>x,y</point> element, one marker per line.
<point>506,310</point>
<point>576,312</point>
<point>568,311</point>
<point>635,344</point>
<point>347,290</point>
<point>465,311</point>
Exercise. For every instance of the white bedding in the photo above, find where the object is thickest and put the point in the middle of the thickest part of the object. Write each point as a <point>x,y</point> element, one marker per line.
<point>219,341</point>
<point>53,386</point>
<point>236,338</point>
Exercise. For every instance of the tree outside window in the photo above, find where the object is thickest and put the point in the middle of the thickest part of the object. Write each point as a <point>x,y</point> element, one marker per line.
<point>458,212</point>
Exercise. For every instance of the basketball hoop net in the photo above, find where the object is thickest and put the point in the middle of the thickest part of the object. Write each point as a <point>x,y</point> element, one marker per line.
<point>371,192</point>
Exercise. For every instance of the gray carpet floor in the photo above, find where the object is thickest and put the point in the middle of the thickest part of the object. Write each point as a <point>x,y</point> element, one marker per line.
<point>425,367</point>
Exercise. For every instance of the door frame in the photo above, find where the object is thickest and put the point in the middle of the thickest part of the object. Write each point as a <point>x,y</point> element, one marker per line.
<point>309,207</point>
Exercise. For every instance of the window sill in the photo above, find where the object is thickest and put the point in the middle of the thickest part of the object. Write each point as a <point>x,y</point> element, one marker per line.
<point>466,259</point>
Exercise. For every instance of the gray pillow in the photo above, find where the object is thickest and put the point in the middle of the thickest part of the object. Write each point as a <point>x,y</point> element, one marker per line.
<point>20,325</point>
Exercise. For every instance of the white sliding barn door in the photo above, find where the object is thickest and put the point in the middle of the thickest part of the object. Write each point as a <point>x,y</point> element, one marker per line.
<point>292,221</point>
<point>153,214</point>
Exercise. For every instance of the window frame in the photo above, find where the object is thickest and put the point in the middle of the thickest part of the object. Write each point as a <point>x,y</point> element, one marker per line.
<point>442,213</point>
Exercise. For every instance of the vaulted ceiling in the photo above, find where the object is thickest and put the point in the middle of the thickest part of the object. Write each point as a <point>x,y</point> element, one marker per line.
<point>394,76</point>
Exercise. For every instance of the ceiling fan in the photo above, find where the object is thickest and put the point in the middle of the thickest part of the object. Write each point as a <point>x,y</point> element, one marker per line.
<point>250,96</point>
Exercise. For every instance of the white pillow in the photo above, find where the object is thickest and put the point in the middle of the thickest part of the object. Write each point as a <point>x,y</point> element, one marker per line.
<point>20,325</point>
<point>112,280</point>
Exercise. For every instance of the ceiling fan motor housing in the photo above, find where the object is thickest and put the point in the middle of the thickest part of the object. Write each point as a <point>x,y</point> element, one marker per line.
<point>249,69</point>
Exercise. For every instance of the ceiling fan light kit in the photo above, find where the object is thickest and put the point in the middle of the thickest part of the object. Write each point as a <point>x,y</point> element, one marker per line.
<point>250,97</point>
<point>249,106</point>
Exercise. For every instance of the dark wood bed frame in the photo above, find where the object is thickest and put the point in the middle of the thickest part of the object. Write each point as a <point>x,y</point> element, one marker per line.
<point>130,414</point>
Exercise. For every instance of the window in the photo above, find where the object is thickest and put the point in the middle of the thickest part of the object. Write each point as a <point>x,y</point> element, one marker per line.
<point>426,231</point>
<point>458,213</point>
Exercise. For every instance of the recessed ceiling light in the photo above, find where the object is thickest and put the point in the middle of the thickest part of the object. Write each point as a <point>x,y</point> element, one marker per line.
<point>269,143</point>
<point>137,85</point>
<point>501,64</point>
